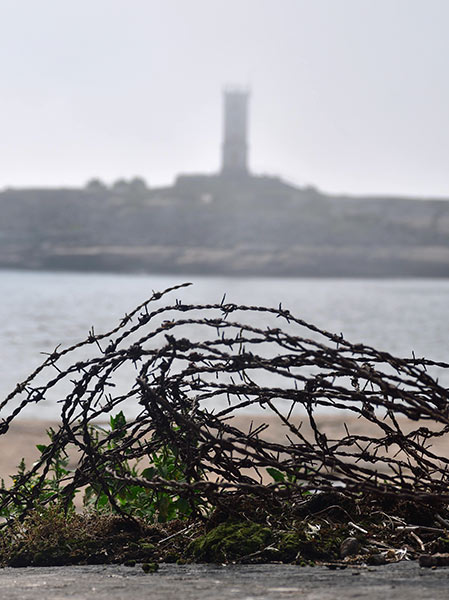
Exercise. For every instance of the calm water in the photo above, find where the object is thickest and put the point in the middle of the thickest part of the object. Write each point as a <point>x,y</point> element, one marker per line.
<point>38,311</point>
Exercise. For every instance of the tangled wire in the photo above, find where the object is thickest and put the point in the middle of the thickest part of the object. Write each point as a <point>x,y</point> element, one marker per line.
<point>193,369</point>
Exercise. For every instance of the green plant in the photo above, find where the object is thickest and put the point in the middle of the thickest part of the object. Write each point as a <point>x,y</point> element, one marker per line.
<point>137,500</point>
<point>36,487</point>
<point>106,493</point>
<point>286,479</point>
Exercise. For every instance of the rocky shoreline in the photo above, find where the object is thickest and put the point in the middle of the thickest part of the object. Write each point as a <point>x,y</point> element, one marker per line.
<point>253,225</point>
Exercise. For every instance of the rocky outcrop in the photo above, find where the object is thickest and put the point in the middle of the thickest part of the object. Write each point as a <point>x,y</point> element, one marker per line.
<point>215,224</point>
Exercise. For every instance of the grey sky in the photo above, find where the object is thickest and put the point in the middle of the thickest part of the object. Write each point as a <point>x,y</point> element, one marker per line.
<point>348,95</point>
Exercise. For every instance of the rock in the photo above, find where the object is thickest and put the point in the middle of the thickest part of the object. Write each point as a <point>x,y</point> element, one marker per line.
<point>377,559</point>
<point>434,560</point>
<point>349,547</point>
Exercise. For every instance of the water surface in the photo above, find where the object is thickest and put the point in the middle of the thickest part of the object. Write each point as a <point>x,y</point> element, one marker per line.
<point>40,310</point>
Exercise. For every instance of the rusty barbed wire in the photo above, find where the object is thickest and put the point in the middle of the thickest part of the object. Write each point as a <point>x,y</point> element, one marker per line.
<point>196,367</point>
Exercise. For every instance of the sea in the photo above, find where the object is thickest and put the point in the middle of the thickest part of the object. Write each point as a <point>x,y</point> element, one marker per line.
<point>42,310</point>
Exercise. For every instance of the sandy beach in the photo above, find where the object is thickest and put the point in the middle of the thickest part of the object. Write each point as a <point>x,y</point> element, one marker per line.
<point>21,439</point>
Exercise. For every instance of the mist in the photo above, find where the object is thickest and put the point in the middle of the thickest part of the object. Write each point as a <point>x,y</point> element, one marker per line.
<point>348,96</point>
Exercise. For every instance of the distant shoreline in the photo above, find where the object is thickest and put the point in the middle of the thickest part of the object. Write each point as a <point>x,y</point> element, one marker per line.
<point>64,267</point>
<point>219,225</point>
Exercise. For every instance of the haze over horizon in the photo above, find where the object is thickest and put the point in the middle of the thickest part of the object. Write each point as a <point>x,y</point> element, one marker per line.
<point>349,96</point>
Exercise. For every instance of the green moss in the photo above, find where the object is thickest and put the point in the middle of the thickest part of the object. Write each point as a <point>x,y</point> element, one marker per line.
<point>150,567</point>
<point>301,547</point>
<point>230,541</point>
<point>289,545</point>
<point>233,541</point>
<point>49,537</point>
<point>171,557</point>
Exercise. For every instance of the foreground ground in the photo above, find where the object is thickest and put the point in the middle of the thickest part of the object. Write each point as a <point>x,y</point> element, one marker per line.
<point>405,580</point>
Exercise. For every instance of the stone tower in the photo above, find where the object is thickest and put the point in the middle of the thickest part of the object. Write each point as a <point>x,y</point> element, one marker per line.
<point>235,147</point>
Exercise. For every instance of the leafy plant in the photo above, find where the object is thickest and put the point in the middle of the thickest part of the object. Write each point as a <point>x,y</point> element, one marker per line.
<point>139,501</point>
<point>38,488</point>
<point>285,479</point>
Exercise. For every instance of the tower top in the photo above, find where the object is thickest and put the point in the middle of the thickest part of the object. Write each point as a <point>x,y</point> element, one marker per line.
<point>235,146</point>
<point>236,89</point>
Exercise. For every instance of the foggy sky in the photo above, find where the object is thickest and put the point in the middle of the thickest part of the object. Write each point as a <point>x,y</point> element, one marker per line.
<point>348,95</point>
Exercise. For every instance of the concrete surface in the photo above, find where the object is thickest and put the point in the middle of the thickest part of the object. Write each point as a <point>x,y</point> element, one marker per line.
<point>404,580</point>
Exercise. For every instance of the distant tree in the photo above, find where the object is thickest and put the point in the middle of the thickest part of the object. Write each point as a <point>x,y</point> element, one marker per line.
<point>96,186</point>
<point>135,187</point>
<point>138,186</point>
<point>121,186</point>
<point>312,189</point>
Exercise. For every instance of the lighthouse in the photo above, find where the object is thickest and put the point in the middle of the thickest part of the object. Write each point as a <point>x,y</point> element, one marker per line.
<point>235,130</point>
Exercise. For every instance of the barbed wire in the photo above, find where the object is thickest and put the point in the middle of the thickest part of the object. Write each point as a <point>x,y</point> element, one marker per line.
<point>196,367</point>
